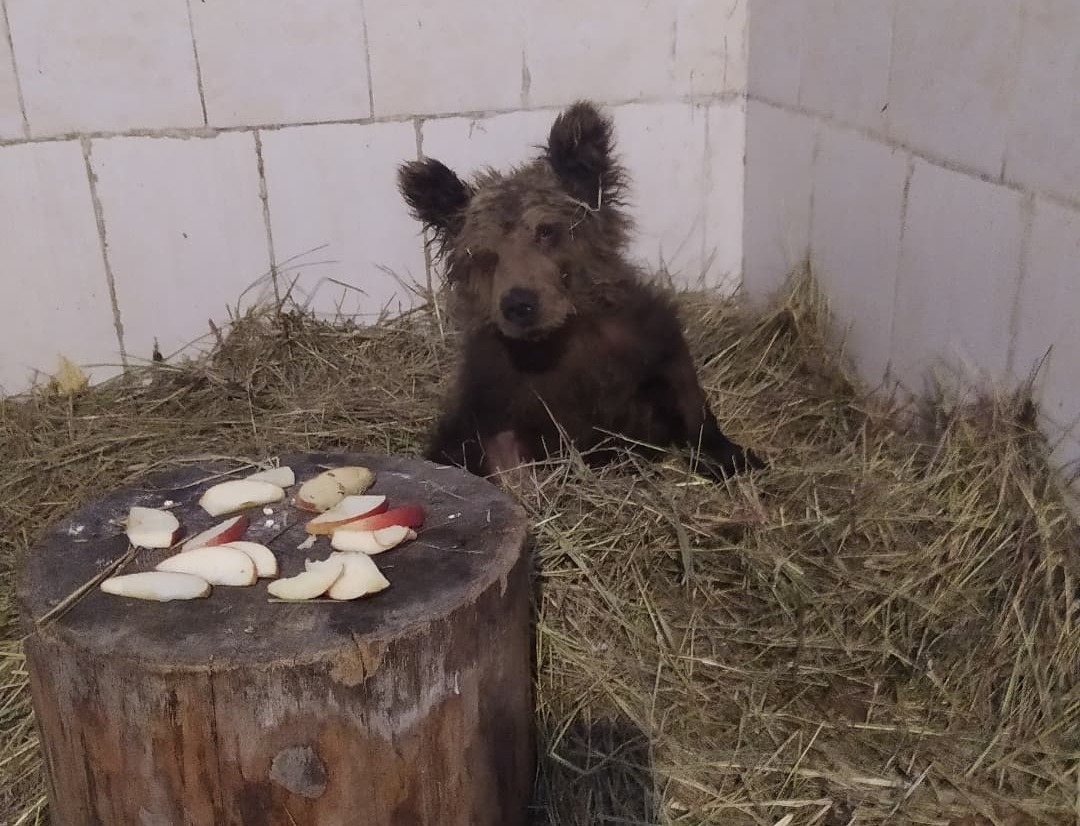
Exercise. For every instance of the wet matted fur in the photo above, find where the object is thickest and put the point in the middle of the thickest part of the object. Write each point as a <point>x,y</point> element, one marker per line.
<point>564,339</point>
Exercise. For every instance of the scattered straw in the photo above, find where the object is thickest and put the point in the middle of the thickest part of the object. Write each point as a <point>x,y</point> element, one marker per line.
<point>881,629</point>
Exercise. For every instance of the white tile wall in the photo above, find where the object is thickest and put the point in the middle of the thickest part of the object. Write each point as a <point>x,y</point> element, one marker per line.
<point>278,61</point>
<point>710,47</point>
<point>779,180</point>
<point>1043,151</point>
<point>1066,456</point>
<point>953,73</point>
<point>855,240</point>
<point>577,49</point>
<point>662,147</point>
<point>467,145</point>
<point>110,65</point>
<point>11,122</point>
<point>431,58</point>
<point>959,266</point>
<point>336,186</point>
<point>54,285</point>
<point>725,165</point>
<point>185,232</point>
<point>1048,310</point>
<point>777,41</point>
<point>845,69</point>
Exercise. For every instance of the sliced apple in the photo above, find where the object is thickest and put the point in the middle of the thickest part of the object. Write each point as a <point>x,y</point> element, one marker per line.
<point>360,577</point>
<point>217,564</point>
<point>347,510</point>
<point>322,492</point>
<point>371,542</point>
<point>265,562</point>
<point>159,586</point>
<point>152,527</point>
<point>237,494</point>
<point>283,477</point>
<point>411,516</point>
<point>314,581</point>
<point>353,478</point>
<point>222,533</point>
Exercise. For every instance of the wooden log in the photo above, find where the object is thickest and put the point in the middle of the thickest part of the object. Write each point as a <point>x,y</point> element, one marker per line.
<point>409,707</point>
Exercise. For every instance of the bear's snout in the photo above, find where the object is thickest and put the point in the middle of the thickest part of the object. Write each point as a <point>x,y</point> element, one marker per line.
<point>520,306</point>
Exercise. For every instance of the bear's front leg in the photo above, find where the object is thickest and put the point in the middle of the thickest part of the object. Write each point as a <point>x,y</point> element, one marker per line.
<point>456,441</point>
<point>713,452</point>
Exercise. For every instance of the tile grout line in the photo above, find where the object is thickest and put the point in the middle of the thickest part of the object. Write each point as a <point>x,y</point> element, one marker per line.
<point>15,68</point>
<point>198,66</point>
<point>367,60</point>
<point>264,197</point>
<point>707,184</point>
<point>904,199</point>
<point>476,114</point>
<point>1028,228</point>
<point>429,265</point>
<point>99,218</point>
<point>745,188</point>
<point>933,160</point>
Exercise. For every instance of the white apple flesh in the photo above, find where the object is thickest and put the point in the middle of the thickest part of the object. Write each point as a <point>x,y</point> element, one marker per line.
<point>266,564</point>
<point>322,492</point>
<point>158,586</point>
<point>360,578</point>
<point>283,477</point>
<point>237,494</point>
<point>217,564</point>
<point>313,582</point>
<point>152,528</point>
<point>371,542</point>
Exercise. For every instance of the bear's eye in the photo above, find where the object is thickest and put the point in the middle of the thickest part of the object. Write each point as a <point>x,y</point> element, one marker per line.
<point>546,234</point>
<point>483,262</point>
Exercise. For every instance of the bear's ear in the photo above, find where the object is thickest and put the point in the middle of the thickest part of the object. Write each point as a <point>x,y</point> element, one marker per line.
<point>435,195</point>
<point>580,152</point>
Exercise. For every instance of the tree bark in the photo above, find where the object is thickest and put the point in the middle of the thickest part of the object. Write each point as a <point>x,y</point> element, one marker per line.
<point>410,707</point>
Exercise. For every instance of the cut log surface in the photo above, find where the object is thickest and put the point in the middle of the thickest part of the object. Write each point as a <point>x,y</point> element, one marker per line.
<point>409,707</point>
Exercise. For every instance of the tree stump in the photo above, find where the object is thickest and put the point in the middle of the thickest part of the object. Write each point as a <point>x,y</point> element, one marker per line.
<point>413,706</point>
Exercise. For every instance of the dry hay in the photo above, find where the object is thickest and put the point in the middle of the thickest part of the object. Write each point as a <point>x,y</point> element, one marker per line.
<point>878,630</point>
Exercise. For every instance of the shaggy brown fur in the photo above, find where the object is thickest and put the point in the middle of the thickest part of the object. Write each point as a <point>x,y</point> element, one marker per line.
<point>563,339</point>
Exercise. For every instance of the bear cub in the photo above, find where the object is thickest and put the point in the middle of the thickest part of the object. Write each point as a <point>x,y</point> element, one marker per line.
<point>564,342</point>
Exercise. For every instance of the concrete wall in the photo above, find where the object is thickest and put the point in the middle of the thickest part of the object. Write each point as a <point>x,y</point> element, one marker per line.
<point>924,155</point>
<point>157,158</point>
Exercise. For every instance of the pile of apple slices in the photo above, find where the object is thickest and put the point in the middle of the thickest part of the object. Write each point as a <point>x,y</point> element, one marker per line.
<point>359,526</point>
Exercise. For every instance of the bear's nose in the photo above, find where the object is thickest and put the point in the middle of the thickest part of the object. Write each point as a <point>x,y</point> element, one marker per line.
<point>519,306</point>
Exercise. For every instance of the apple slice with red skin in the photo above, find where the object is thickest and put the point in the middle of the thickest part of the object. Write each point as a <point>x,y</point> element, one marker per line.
<point>347,510</point>
<point>222,533</point>
<point>408,516</point>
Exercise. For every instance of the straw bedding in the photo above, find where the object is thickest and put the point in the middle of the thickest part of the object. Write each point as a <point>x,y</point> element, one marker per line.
<point>880,629</point>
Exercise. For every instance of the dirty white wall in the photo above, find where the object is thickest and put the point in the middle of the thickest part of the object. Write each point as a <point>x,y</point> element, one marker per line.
<point>157,158</point>
<point>925,156</point>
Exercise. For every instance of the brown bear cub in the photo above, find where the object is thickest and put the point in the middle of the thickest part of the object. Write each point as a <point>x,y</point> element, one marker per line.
<point>563,340</point>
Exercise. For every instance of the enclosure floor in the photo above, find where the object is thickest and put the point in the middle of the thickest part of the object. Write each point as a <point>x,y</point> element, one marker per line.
<point>881,628</point>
